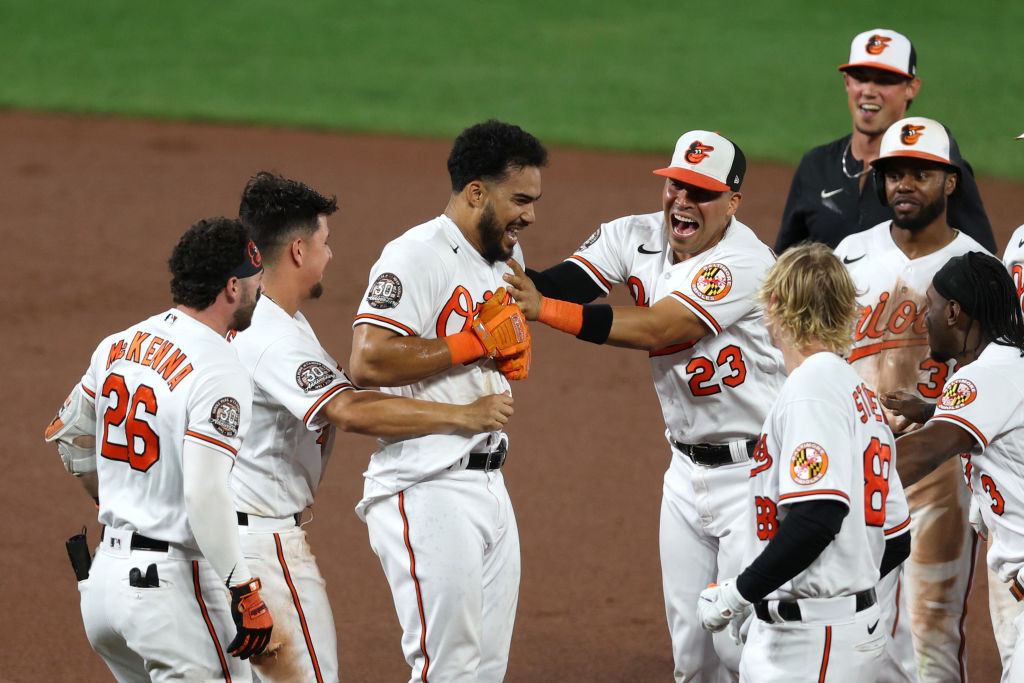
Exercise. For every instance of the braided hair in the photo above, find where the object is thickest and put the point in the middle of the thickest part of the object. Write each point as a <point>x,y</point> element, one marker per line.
<point>986,293</point>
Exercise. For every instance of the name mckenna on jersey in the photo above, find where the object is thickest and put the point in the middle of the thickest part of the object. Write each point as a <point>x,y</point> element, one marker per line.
<point>160,355</point>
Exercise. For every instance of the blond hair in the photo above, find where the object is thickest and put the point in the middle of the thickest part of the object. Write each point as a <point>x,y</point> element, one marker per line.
<point>815,298</point>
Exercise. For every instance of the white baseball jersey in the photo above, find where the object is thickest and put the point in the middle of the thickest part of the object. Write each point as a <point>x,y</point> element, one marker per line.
<point>986,398</point>
<point>166,380</point>
<point>1013,258</point>
<point>718,388</point>
<point>429,282</point>
<point>826,439</point>
<point>890,339</point>
<point>891,353</point>
<point>283,460</point>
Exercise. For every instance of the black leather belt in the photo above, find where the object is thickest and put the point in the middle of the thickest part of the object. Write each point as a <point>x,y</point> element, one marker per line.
<point>789,610</point>
<point>243,518</point>
<point>710,455</point>
<point>488,461</point>
<point>140,542</point>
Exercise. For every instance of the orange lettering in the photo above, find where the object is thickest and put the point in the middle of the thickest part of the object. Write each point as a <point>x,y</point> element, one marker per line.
<point>135,349</point>
<point>903,317</point>
<point>459,305</point>
<point>148,358</point>
<point>171,364</point>
<point>636,289</point>
<point>173,382</point>
<point>160,353</point>
<point>116,352</point>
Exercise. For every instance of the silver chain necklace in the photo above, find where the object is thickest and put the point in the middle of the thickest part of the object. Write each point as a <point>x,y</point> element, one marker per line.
<point>842,164</point>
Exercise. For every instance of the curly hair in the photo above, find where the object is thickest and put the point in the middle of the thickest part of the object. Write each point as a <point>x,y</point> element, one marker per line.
<point>204,258</point>
<point>489,150</point>
<point>276,209</point>
<point>986,293</point>
<point>815,298</point>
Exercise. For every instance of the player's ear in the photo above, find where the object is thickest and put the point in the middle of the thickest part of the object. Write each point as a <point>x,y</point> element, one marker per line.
<point>296,251</point>
<point>951,180</point>
<point>475,193</point>
<point>734,203</point>
<point>913,87</point>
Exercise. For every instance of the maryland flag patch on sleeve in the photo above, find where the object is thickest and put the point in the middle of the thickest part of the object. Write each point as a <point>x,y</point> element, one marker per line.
<point>957,394</point>
<point>808,463</point>
<point>712,282</point>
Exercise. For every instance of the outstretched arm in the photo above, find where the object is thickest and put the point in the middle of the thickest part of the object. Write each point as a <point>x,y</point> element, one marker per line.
<point>666,323</point>
<point>376,414</point>
<point>922,451</point>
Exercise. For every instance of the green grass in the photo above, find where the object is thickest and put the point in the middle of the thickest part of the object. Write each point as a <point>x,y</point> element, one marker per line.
<point>604,73</point>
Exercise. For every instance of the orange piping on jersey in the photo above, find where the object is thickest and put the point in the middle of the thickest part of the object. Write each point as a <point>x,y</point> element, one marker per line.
<point>896,607</point>
<point>872,349</point>
<point>210,440</point>
<point>298,607</point>
<point>708,318</point>
<point>589,266</point>
<point>90,394</point>
<point>316,406</point>
<point>899,527</point>
<point>416,582</point>
<point>963,614</point>
<point>669,350</point>
<point>965,424</point>
<point>825,654</point>
<point>209,624</point>
<point>370,318</point>
<point>819,492</point>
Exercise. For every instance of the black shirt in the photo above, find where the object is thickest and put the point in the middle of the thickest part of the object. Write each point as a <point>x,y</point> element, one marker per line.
<point>825,204</point>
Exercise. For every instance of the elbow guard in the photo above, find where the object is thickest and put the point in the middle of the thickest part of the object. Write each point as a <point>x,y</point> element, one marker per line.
<point>74,430</point>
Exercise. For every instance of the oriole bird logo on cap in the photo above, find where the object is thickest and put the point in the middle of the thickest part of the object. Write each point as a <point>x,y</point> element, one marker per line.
<point>910,134</point>
<point>254,255</point>
<point>877,44</point>
<point>698,152</point>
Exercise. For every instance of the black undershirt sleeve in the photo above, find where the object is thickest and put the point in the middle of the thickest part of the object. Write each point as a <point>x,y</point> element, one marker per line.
<point>896,551</point>
<point>566,282</point>
<point>807,529</point>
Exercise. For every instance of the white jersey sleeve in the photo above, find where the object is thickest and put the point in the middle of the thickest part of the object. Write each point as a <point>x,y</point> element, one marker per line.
<point>720,292</point>
<point>220,410</point>
<point>610,255</point>
<point>301,377</point>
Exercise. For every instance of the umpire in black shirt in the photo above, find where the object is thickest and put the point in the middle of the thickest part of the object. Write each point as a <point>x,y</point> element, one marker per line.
<point>833,194</point>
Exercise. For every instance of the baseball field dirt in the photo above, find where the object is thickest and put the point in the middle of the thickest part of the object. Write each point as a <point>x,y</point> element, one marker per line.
<point>91,208</point>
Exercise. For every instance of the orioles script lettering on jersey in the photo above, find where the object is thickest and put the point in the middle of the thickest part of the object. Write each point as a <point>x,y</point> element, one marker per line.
<point>873,323</point>
<point>157,356</point>
<point>1017,272</point>
<point>460,305</point>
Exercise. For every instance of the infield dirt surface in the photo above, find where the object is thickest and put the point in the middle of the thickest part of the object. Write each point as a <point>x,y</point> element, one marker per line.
<point>91,209</point>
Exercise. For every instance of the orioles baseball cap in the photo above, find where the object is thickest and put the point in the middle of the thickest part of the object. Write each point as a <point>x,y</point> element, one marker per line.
<point>708,160</point>
<point>883,49</point>
<point>916,137</point>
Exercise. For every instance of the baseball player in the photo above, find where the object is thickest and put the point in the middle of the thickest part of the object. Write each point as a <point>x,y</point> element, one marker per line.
<point>892,265</point>
<point>833,193</point>
<point>437,511</point>
<point>824,492</point>
<point>300,393</point>
<point>692,269</point>
<point>168,404</point>
<point>974,318</point>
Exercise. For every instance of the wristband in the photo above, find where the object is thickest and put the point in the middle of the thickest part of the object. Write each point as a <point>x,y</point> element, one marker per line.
<point>464,347</point>
<point>561,315</point>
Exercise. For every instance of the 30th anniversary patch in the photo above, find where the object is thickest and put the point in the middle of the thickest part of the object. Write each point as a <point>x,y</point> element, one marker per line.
<point>313,375</point>
<point>386,291</point>
<point>225,416</point>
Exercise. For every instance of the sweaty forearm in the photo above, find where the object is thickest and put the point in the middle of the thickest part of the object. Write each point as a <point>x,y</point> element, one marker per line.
<point>376,414</point>
<point>397,361</point>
